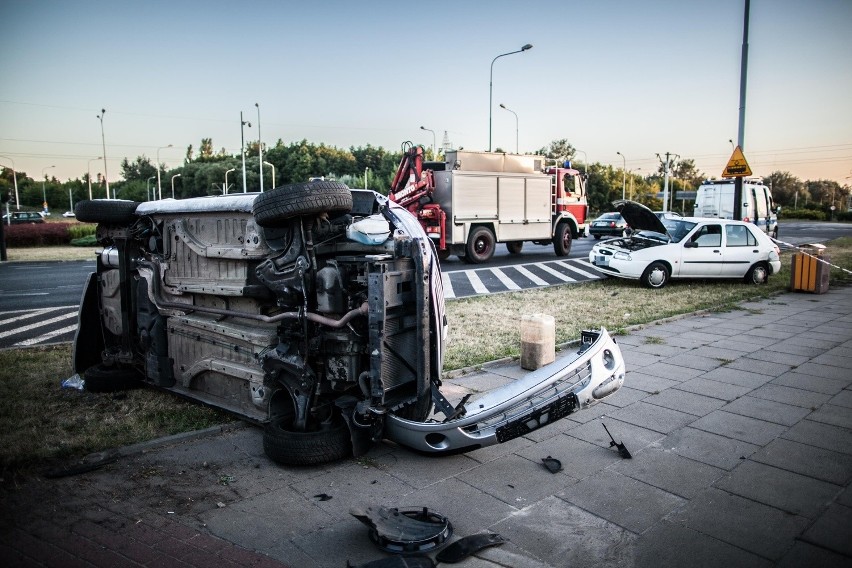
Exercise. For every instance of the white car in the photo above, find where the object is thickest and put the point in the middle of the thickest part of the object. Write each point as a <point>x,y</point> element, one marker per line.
<point>685,247</point>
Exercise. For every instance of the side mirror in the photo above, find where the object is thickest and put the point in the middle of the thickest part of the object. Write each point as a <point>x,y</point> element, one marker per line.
<point>690,244</point>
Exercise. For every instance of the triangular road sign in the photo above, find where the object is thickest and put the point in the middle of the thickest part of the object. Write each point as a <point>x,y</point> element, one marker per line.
<point>737,165</point>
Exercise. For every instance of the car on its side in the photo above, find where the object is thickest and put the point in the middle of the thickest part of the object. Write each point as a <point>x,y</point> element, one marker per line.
<point>685,247</point>
<point>609,225</point>
<point>24,217</point>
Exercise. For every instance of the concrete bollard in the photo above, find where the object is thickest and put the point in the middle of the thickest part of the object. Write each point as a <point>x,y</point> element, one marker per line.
<point>538,341</point>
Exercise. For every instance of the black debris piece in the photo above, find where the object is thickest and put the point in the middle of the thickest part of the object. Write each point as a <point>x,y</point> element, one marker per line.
<point>405,531</point>
<point>322,497</point>
<point>553,465</point>
<point>622,450</point>
<point>468,545</point>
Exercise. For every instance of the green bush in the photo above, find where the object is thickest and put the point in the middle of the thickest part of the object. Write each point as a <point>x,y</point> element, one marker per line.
<point>80,230</point>
<point>87,241</point>
<point>811,214</point>
<point>844,215</point>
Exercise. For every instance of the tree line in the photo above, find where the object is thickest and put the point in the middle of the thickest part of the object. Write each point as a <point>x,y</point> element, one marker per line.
<point>204,172</point>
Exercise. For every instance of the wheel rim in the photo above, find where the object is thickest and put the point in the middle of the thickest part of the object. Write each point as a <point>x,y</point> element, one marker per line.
<point>481,246</point>
<point>758,275</point>
<point>657,277</point>
<point>566,240</point>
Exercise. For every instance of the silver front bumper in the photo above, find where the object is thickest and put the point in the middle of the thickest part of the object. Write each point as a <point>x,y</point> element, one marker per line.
<point>593,372</point>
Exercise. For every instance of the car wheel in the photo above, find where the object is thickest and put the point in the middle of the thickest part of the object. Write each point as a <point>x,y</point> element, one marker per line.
<point>656,275</point>
<point>597,237</point>
<point>775,233</point>
<point>108,211</point>
<point>270,209</point>
<point>480,245</point>
<point>562,239</point>
<point>329,443</point>
<point>443,254</point>
<point>757,274</point>
<point>515,247</point>
<point>103,378</point>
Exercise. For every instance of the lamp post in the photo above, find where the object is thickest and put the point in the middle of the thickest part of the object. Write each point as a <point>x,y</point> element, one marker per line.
<point>623,174</point>
<point>103,142</point>
<point>632,180</point>
<point>273,174</point>
<point>366,169</point>
<point>43,191</point>
<point>148,188</point>
<point>243,148</point>
<point>160,187</point>
<point>504,107</point>
<point>173,184</point>
<point>15,182</point>
<point>225,187</point>
<point>434,145</point>
<point>89,165</point>
<point>260,150</point>
<point>491,87</point>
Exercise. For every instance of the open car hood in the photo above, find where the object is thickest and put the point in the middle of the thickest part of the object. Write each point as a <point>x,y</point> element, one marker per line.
<point>639,217</point>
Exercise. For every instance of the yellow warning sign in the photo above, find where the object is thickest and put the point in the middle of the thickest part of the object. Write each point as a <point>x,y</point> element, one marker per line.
<point>737,165</point>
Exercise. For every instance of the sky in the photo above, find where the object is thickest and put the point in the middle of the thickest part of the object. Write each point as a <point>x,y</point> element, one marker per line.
<point>637,77</point>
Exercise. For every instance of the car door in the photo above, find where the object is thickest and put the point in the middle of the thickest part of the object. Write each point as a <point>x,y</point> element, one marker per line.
<point>740,251</point>
<point>702,252</point>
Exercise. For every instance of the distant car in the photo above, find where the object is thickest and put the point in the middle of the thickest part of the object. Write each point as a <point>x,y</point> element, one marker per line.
<point>685,247</point>
<point>609,225</point>
<point>667,214</point>
<point>25,217</point>
<point>68,214</point>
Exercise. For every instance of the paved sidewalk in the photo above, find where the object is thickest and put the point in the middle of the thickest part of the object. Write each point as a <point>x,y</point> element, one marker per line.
<point>740,426</point>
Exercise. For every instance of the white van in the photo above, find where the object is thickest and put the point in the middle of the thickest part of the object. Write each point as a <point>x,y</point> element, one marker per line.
<point>715,199</point>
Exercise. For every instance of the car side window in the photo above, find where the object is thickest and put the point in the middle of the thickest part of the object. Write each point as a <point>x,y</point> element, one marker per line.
<point>708,236</point>
<point>735,236</point>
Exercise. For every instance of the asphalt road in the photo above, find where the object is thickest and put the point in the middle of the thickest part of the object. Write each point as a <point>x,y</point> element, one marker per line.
<point>39,300</point>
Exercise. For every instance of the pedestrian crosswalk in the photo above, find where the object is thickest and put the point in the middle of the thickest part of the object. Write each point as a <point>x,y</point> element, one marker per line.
<point>39,326</point>
<point>477,281</point>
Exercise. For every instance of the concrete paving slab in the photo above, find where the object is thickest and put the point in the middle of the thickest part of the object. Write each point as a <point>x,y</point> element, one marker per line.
<point>657,418</point>
<point>669,544</point>
<point>707,447</point>
<point>562,534</point>
<point>579,458</point>
<point>752,526</point>
<point>789,395</point>
<point>420,470</point>
<point>660,350</point>
<point>737,377</point>
<point>684,401</point>
<point>626,396</point>
<point>598,410</point>
<point>605,495</point>
<point>715,389</point>
<point>818,463</point>
<point>519,481</point>
<point>720,354</point>
<point>633,437</point>
<point>767,410</point>
<point>694,361</point>
<point>667,370</point>
<point>831,530</point>
<point>666,470</point>
<point>821,435</point>
<point>826,371</point>
<point>843,398</point>
<point>738,427</point>
<point>804,554</point>
<point>644,381</point>
<point>831,414</point>
<point>785,490</point>
<point>842,361</point>
<point>799,380</point>
<point>757,365</point>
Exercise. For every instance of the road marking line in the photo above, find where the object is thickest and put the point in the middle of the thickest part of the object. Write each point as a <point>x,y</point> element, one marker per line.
<point>26,314</point>
<point>38,324</point>
<point>476,282</point>
<point>563,277</point>
<point>448,286</point>
<point>578,270</point>
<point>46,336</point>
<point>531,276</point>
<point>507,282</point>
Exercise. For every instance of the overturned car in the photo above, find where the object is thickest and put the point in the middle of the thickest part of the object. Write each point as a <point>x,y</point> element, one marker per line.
<point>312,309</point>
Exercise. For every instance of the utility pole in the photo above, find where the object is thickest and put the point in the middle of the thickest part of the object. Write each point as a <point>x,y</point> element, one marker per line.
<point>738,181</point>
<point>666,168</point>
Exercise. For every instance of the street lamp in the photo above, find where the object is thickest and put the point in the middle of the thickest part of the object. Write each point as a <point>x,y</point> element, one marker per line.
<point>504,107</point>
<point>103,142</point>
<point>243,148</point>
<point>43,191</point>
<point>366,169</point>
<point>632,181</point>
<point>148,188</point>
<point>260,150</point>
<point>15,181</point>
<point>90,174</point>
<point>160,187</point>
<point>173,184</point>
<point>491,87</point>
<point>434,145</point>
<point>273,174</point>
<point>225,188</point>
<point>623,174</point>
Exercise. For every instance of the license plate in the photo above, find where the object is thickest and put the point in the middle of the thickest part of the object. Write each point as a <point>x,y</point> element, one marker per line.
<point>601,260</point>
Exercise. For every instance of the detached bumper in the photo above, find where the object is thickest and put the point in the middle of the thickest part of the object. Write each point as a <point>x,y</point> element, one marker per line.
<point>536,400</point>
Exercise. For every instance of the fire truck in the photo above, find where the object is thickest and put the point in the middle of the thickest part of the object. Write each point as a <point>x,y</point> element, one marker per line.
<point>473,200</point>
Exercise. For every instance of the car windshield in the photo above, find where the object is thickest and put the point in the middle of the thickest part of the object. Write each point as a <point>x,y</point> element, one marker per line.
<point>677,228</point>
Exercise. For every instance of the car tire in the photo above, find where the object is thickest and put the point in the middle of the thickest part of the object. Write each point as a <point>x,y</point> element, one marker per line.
<point>758,274</point>
<point>107,211</point>
<point>597,237</point>
<point>775,233</point>
<point>656,275</point>
<point>281,204</point>
<point>287,447</point>
<point>515,247</point>
<point>480,245</point>
<point>103,378</point>
<point>562,239</point>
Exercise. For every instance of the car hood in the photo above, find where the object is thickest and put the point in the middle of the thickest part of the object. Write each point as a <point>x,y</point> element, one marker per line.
<point>639,217</point>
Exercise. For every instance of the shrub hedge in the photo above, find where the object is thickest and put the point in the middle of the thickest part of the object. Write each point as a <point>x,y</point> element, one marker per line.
<point>46,234</point>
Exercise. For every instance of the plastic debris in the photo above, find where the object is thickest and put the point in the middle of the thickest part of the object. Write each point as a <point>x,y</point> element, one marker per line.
<point>468,545</point>
<point>553,465</point>
<point>405,531</point>
<point>622,450</point>
<point>75,382</point>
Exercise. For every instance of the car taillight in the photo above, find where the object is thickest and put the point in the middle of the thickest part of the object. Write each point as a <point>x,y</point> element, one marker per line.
<point>612,223</point>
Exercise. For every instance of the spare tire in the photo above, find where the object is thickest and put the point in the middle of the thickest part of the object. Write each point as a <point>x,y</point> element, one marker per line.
<point>109,211</point>
<point>272,208</point>
<point>288,447</point>
<point>103,378</point>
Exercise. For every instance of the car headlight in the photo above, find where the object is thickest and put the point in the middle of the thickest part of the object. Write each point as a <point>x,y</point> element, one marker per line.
<point>622,256</point>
